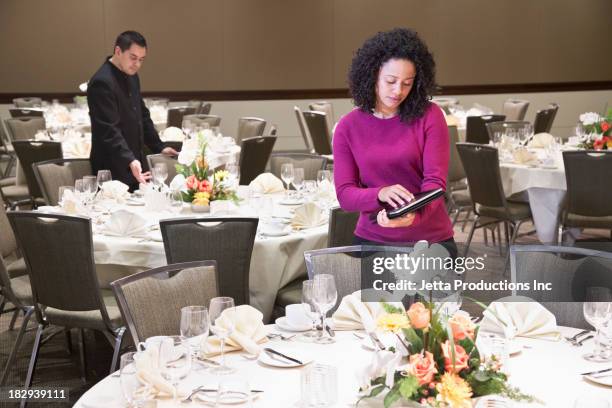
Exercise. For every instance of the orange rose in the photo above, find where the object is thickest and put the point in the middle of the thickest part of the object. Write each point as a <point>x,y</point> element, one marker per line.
<point>461,357</point>
<point>418,315</point>
<point>192,182</point>
<point>422,367</point>
<point>205,186</point>
<point>598,144</point>
<point>462,326</point>
<point>605,126</point>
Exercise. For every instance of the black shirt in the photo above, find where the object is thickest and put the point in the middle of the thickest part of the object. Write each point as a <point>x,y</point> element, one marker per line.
<point>120,123</point>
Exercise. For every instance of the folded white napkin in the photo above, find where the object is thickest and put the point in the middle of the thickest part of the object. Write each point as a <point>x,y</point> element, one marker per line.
<point>178,183</point>
<point>70,203</point>
<point>147,370</point>
<point>123,223</point>
<point>307,216</point>
<point>267,183</point>
<point>115,190</point>
<point>523,156</point>
<point>541,140</point>
<point>78,148</point>
<point>521,317</point>
<point>353,314</point>
<point>249,331</point>
<point>172,134</point>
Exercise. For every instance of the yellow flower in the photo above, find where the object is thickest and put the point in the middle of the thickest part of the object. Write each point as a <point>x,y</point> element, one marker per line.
<point>201,198</point>
<point>221,175</point>
<point>201,162</point>
<point>393,322</point>
<point>454,392</point>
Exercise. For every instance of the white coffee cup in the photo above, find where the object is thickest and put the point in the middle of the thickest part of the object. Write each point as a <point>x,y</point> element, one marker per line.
<point>275,225</point>
<point>297,316</point>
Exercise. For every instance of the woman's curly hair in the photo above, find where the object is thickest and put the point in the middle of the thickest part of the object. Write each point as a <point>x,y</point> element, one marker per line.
<point>399,43</point>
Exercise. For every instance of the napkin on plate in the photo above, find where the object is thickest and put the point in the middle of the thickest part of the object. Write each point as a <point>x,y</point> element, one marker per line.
<point>523,156</point>
<point>147,370</point>
<point>172,134</point>
<point>77,148</point>
<point>541,140</point>
<point>353,314</point>
<point>115,190</point>
<point>267,183</point>
<point>307,216</point>
<point>520,317</point>
<point>249,331</point>
<point>123,223</point>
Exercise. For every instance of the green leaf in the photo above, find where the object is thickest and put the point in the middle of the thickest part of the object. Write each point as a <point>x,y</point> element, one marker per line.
<point>481,375</point>
<point>376,390</point>
<point>413,338</point>
<point>391,309</point>
<point>392,396</point>
<point>409,386</point>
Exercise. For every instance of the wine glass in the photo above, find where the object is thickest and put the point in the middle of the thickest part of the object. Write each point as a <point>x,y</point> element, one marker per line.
<point>311,309</point>
<point>174,360</point>
<point>62,190</point>
<point>194,326</point>
<point>133,391</point>
<point>287,173</point>
<point>233,171</point>
<point>104,176</point>
<point>597,310</point>
<point>90,187</point>
<point>160,173</point>
<point>449,305</point>
<point>324,176</point>
<point>222,311</point>
<point>298,179</point>
<point>325,296</point>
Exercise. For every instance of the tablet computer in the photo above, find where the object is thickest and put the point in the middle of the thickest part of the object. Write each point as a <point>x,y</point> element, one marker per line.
<point>420,200</point>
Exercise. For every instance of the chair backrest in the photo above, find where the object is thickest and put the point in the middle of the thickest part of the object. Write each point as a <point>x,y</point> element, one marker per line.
<point>515,109</point>
<point>250,127</point>
<point>24,128</point>
<point>169,161</point>
<point>476,129</point>
<point>311,163</point>
<point>27,102</point>
<point>195,104</point>
<point>481,164</point>
<point>151,301</point>
<point>175,115</point>
<point>455,167</point>
<point>204,109</point>
<point>6,290</point>
<point>52,174</point>
<point>228,241</point>
<point>273,130</point>
<point>328,108</point>
<point>341,227</point>
<point>445,103</point>
<point>544,119</point>
<point>25,113</point>
<point>588,185</point>
<point>200,119</point>
<point>58,252</point>
<point>8,244</point>
<point>505,126</point>
<point>29,152</point>
<point>320,134</point>
<point>254,155</point>
<point>303,129</point>
<point>569,270</point>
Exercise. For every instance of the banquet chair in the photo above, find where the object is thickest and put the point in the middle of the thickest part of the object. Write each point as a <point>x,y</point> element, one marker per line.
<point>52,174</point>
<point>544,119</point>
<point>175,116</point>
<point>341,227</point>
<point>204,109</point>
<point>25,113</point>
<point>445,103</point>
<point>515,109</point>
<point>457,197</point>
<point>65,294</point>
<point>24,128</point>
<point>27,102</point>
<point>481,164</point>
<point>151,301</point>
<point>570,270</point>
<point>588,202</point>
<point>311,163</point>
<point>30,152</point>
<point>504,126</point>
<point>203,119</point>
<point>476,128</point>
<point>319,131</point>
<point>328,108</point>
<point>303,129</point>
<point>7,153</point>
<point>228,241</point>
<point>17,193</point>
<point>195,104</point>
<point>250,127</point>
<point>254,155</point>
<point>170,162</point>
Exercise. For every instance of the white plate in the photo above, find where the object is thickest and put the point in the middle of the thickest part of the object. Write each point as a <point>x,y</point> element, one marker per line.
<point>607,380</point>
<point>283,324</point>
<point>291,201</point>
<point>264,358</point>
<point>131,201</point>
<point>212,397</point>
<point>548,166</point>
<point>277,233</point>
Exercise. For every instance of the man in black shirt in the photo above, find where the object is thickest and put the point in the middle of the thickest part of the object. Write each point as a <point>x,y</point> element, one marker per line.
<point>120,121</point>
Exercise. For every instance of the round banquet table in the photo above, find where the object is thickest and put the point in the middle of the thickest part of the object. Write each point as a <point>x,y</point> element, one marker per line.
<point>548,370</point>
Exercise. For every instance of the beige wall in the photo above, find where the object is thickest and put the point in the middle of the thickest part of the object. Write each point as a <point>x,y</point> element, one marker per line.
<point>194,45</point>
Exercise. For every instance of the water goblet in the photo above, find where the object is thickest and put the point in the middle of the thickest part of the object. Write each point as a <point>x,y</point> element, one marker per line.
<point>298,180</point>
<point>222,327</point>
<point>325,297</point>
<point>160,173</point>
<point>175,360</point>
<point>104,176</point>
<point>194,326</point>
<point>597,310</point>
<point>287,173</point>
<point>133,391</point>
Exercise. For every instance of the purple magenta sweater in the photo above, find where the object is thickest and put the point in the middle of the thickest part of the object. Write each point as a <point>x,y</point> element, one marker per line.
<point>371,153</point>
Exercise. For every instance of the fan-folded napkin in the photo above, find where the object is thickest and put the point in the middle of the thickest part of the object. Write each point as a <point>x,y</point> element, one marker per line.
<point>523,156</point>
<point>123,223</point>
<point>541,140</point>
<point>521,317</point>
<point>353,314</point>
<point>248,331</point>
<point>70,203</point>
<point>267,183</point>
<point>115,190</point>
<point>78,148</point>
<point>147,370</point>
<point>307,216</point>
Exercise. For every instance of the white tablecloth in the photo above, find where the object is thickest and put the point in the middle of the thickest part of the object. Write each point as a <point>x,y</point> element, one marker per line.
<point>545,369</point>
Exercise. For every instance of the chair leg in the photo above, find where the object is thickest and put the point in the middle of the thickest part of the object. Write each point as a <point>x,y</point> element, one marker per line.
<point>33,359</point>
<point>2,305</point>
<point>485,235</point>
<point>82,357</point>
<point>499,242</point>
<point>68,335</point>
<point>16,346</point>
<point>455,217</point>
<point>465,221</point>
<point>117,348</point>
<point>470,236</point>
<point>14,319</point>
<point>515,229</point>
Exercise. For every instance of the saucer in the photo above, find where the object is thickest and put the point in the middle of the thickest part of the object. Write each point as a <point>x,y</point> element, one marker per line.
<point>239,398</point>
<point>605,380</point>
<point>280,362</point>
<point>131,201</point>
<point>283,324</point>
<point>291,201</point>
<point>276,233</point>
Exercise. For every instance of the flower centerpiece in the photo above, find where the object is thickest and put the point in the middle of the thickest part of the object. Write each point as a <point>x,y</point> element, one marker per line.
<point>435,362</point>
<point>198,183</point>
<point>597,130</point>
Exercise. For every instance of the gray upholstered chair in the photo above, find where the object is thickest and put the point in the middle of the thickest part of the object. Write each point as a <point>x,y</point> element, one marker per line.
<point>303,129</point>
<point>201,119</point>
<point>569,270</point>
<point>515,109</point>
<point>544,119</point>
<point>25,113</point>
<point>254,155</point>
<point>65,293</point>
<point>30,152</point>
<point>6,153</point>
<point>320,134</point>
<point>341,227</point>
<point>311,163</point>
<point>52,174</point>
<point>169,161</point>
<point>204,109</point>
<point>327,108</point>
<point>27,102</point>
<point>8,246</point>
<point>228,241</point>
<point>176,115</point>
<point>476,129</point>
<point>250,127</point>
<point>273,130</point>
<point>194,103</point>
<point>24,128</point>
<point>151,301</point>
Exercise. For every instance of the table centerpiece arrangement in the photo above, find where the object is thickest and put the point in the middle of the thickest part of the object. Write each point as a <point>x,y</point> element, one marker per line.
<point>596,131</point>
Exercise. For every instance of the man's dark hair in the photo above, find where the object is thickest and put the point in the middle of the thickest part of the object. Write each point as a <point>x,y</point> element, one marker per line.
<point>399,43</point>
<point>127,38</point>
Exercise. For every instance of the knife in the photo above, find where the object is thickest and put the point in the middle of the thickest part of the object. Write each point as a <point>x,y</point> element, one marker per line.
<point>376,340</point>
<point>272,351</point>
<point>329,330</point>
<point>605,370</point>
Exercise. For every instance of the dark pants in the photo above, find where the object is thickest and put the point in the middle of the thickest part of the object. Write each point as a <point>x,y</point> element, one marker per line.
<point>448,244</point>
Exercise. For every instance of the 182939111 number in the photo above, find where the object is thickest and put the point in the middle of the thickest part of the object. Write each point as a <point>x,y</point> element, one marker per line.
<point>57,394</point>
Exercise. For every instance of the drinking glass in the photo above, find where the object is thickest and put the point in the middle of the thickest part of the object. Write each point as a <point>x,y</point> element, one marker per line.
<point>133,390</point>
<point>104,176</point>
<point>160,173</point>
<point>287,173</point>
<point>234,390</point>
<point>90,187</point>
<point>298,180</point>
<point>194,326</point>
<point>325,297</point>
<point>449,305</point>
<point>233,171</point>
<point>62,190</point>
<point>597,310</point>
<point>311,310</point>
<point>323,175</point>
<point>187,127</point>
<point>217,306</point>
<point>319,386</point>
<point>175,360</point>
<point>176,201</point>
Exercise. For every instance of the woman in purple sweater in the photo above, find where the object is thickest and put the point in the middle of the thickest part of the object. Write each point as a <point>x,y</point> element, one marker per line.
<point>395,143</point>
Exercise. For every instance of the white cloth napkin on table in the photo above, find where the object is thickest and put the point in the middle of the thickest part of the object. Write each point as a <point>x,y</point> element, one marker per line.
<point>520,317</point>
<point>267,183</point>
<point>307,216</point>
<point>123,223</point>
<point>147,370</point>
<point>172,134</point>
<point>541,140</point>
<point>70,203</point>
<point>78,148</point>
<point>353,314</point>
<point>115,190</point>
<point>249,331</point>
<point>524,156</point>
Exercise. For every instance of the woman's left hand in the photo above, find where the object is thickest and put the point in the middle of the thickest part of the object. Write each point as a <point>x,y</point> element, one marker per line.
<point>403,221</point>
